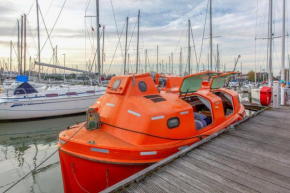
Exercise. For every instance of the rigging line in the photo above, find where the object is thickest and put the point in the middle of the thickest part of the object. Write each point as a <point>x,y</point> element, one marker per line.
<point>116,49</point>
<point>197,64</point>
<point>31,35</point>
<point>87,4</point>
<point>259,26</point>
<point>45,159</point>
<point>44,17</point>
<point>180,37</point>
<point>48,8</point>
<point>92,46</point>
<point>132,35</point>
<point>96,52</point>
<point>279,14</point>
<point>15,52</point>
<point>93,37</point>
<point>117,28</point>
<point>276,54</point>
<point>48,67</point>
<point>30,8</point>
<point>203,32</point>
<point>45,27</point>
<point>12,33</point>
<point>53,25</point>
<point>85,28</point>
<point>257,10</point>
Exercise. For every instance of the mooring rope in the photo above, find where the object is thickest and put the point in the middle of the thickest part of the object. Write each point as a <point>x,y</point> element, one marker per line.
<point>44,160</point>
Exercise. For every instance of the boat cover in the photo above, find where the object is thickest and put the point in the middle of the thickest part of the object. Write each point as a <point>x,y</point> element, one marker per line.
<point>24,88</point>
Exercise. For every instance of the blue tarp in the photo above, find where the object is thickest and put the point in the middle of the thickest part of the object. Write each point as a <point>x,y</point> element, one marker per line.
<point>24,88</point>
<point>22,78</point>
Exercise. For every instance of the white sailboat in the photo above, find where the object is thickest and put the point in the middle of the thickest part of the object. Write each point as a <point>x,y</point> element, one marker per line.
<point>27,103</point>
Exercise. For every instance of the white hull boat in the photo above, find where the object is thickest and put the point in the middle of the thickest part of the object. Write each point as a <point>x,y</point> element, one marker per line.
<point>55,101</point>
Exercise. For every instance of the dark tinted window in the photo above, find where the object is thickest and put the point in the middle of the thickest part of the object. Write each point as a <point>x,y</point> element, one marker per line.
<point>173,122</point>
<point>142,86</point>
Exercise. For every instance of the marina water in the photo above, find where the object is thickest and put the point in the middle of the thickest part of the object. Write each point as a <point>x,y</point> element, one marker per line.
<point>24,145</point>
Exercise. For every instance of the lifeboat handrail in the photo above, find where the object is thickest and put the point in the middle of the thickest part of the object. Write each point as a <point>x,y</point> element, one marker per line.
<point>156,136</point>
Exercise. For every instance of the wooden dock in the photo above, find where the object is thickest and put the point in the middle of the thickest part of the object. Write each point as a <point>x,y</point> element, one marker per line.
<point>250,156</point>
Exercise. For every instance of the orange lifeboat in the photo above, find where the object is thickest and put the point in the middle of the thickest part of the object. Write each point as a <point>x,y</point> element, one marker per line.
<point>134,125</point>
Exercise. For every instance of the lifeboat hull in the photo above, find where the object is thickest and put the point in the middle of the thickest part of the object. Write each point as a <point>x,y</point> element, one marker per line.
<point>83,175</point>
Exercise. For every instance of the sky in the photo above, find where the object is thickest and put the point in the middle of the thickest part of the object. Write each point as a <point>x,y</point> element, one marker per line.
<point>163,23</point>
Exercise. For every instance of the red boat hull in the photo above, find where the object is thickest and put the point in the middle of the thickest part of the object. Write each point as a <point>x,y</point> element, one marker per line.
<point>83,175</point>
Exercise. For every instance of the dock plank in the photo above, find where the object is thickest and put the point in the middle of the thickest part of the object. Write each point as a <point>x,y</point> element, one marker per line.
<point>190,179</point>
<point>274,141</point>
<point>176,183</point>
<point>265,130</point>
<point>252,157</point>
<point>242,166</point>
<point>216,181</point>
<point>255,160</point>
<point>254,147</point>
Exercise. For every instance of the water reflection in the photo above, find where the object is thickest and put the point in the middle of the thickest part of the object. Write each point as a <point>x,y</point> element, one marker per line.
<point>24,145</point>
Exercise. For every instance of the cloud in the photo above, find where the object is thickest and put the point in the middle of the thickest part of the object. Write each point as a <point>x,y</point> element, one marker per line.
<point>162,23</point>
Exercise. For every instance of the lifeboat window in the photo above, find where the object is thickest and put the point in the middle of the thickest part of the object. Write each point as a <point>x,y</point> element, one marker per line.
<point>173,122</point>
<point>142,86</point>
<point>116,84</point>
<point>227,102</point>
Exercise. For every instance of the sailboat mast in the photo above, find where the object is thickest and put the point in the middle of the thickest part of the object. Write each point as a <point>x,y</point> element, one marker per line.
<point>283,56</point>
<point>25,45</point>
<point>218,58</point>
<point>137,57</point>
<point>172,62</point>
<point>103,49</point>
<point>127,19</point>
<point>157,60</point>
<point>129,63</point>
<point>146,60</point>
<point>18,45</point>
<point>288,70</point>
<point>189,49</point>
<point>21,46</point>
<point>180,65</point>
<point>10,66</point>
<point>98,40</point>
<point>168,67</point>
<point>210,33</point>
<point>38,37</point>
<point>270,43</point>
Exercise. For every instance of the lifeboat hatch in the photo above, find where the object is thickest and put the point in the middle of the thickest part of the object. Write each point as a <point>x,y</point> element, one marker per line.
<point>227,101</point>
<point>192,83</point>
<point>220,81</point>
<point>202,111</point>
<point>155,98</point>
